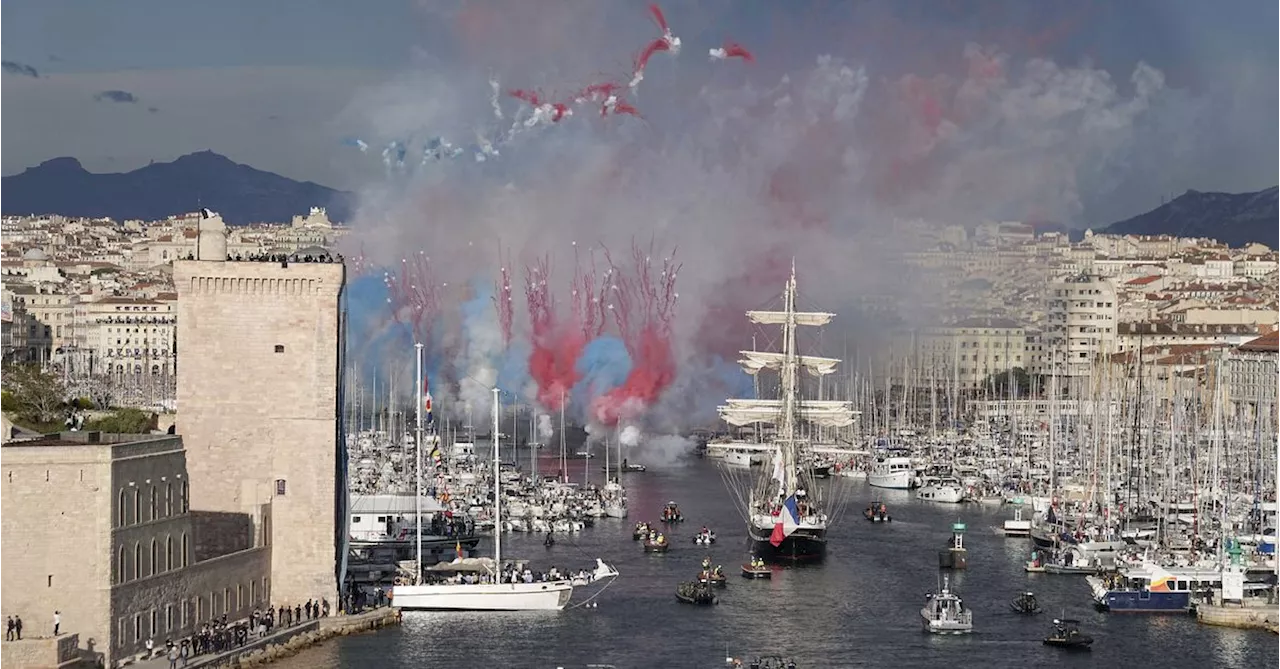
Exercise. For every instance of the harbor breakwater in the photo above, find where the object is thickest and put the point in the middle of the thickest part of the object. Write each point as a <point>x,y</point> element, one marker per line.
<point>1245,617</point>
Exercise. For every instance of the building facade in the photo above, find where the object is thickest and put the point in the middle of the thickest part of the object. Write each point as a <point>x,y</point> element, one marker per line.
<point>258,380</point>
<point>1080,324</point>
<point>99,527</point>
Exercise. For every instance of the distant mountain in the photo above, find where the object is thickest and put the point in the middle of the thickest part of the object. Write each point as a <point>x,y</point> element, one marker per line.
<point>240,193</point>
<point>1235,219</point>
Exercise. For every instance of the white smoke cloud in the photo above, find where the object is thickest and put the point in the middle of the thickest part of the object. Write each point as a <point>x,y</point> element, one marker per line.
<point>663,450</point>
<point>825,162</point>
<point>544,427</point>
<point>629,436</point>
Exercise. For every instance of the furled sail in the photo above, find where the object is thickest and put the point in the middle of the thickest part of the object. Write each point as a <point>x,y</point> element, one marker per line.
<point>758,360</point>
<point>826,413</point>
<point>779,317</point>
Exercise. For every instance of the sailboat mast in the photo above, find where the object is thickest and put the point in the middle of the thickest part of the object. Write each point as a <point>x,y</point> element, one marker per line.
<point>789,387</point>
<point>497,487</point>
<point>417,470</point>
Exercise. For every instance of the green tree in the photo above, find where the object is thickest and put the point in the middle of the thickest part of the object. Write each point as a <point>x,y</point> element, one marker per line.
<point>39,398</point>
<point>124,421</point>
<point>1016,382</point>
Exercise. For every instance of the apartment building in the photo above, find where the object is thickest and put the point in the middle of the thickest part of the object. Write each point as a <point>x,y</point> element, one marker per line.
<point>1080,324</point>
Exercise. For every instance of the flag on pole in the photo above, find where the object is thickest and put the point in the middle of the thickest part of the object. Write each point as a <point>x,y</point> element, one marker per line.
<point>786,522</point>
<point>458,550</point>
<point>426,393</point>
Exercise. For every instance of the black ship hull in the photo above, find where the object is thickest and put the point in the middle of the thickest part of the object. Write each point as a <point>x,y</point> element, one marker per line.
<point>804,546</point>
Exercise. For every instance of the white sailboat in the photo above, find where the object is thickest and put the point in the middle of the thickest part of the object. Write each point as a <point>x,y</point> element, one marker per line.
<point>787,519</point>
<point>489,589</point>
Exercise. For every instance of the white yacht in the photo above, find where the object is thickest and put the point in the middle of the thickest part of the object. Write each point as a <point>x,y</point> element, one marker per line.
<point>892,472</point>
<point>481,584</point>
<point>946,490</point>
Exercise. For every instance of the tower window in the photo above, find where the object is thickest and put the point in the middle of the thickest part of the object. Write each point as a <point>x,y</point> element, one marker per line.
<point>280,487</point>
<point>279,348</point>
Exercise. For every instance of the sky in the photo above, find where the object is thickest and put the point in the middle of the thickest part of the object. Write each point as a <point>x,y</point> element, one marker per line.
<point>277,85</point>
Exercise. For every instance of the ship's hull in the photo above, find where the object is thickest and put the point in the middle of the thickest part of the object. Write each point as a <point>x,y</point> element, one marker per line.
<point>552,596</point>
<point>804,546</point>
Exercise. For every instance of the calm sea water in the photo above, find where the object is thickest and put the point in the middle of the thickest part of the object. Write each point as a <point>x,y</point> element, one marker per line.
<point>859,609</point>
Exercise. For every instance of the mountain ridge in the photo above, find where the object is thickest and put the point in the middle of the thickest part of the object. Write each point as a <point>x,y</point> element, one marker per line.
<point>240,193</point>
<point>1236,219</point>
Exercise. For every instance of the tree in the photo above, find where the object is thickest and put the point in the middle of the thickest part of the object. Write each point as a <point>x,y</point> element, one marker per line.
<point>39,396</point>
<point>124,421</point>
<point>1016,382</point>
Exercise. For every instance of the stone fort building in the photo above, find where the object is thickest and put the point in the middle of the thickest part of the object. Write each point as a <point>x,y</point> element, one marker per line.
<point>259,410</point>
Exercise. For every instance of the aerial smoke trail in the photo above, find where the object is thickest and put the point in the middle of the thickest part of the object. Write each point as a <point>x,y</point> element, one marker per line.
<point>481,350</point>
<point>556,347</point>
<point>643,308</point>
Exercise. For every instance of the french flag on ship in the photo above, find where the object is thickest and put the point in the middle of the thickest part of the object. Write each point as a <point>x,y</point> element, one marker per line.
<point>788,519</point>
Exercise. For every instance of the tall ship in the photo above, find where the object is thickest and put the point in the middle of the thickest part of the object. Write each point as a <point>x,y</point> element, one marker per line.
<point>786,512</point>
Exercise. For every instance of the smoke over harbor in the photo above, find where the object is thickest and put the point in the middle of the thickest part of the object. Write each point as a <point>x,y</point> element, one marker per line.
<point>580,199</point>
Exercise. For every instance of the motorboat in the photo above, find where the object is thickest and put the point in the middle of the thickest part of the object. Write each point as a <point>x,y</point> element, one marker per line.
<point>944,612</point>
<point>671,513</point>
<point>642,531</point>
<point>877,512</point>
<point>714,577</point>
<point>757,569</point>
<point>767,662</point>
<point>946,490</point>
<point>1026,604</point>
<point>693,592</point>
<point>705,537</point>
<point>1067,634</point>
<point>893,472</point>
<point>658,545</point>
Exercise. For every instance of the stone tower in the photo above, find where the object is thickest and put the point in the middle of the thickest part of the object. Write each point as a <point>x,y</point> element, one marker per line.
<point>258,376</point>
<point>212,243</point>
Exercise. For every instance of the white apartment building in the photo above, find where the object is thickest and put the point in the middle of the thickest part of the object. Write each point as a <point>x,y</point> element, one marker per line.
<point>1080,325</point>
<point>967,352</point>
<point>124,335</point>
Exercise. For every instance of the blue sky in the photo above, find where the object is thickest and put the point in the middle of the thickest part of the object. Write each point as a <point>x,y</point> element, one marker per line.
<point>277,83</point>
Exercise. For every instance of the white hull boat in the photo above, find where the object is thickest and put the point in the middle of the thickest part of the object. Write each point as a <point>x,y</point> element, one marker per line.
<point>552,596</point>
<point>893,473</point>
<point>941,491</point>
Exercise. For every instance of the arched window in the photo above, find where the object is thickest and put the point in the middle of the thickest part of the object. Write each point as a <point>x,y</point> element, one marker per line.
<point>155,559</point>
<point>154,506</point>
<point>122,512</point>
<point>122,567</point>
<point>186,556</point>
<point>168,499</point>
<point>155,370</point>
<point>137,560</point>
<point>186,497</point>
<point>168,552</point>
<point>137,504</point>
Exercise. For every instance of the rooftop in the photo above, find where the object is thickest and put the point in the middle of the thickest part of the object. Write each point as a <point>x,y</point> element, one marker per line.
<point>1268,343</point>
<point>86,439</point>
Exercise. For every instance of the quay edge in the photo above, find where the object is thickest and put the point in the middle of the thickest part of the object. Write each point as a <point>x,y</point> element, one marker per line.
<point>1243,617</point>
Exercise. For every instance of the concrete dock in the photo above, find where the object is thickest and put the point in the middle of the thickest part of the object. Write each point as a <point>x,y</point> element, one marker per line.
<point>1254,616</point>
<point>287,641</point>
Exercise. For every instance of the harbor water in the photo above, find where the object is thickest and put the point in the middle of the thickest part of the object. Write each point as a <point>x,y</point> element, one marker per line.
<point>861,608</point>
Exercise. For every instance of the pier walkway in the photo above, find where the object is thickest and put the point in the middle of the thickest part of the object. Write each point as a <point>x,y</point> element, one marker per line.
<point>321,627</point>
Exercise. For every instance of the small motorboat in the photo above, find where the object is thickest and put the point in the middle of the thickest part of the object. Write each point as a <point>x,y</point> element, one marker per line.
<point>1026,604</point>
<point>945,613</point>
<point>671,513</point>
<point>642,530</point>
<point>877,512</point>
<point>756,569</point>
<point>659,545</point>
<point>1066,634</point>
<point>693,592</point>
<point>705,537</point>
<point>714,577</point>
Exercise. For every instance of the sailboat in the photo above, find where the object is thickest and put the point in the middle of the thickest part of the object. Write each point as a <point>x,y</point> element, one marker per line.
<point>787,521</point>
<point>479,584</point>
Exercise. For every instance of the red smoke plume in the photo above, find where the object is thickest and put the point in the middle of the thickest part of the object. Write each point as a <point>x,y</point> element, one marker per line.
<point>556,347</point>
<point>642,308</point>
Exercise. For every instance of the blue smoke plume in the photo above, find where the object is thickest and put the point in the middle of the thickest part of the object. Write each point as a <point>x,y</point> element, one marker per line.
<point>603,366</point>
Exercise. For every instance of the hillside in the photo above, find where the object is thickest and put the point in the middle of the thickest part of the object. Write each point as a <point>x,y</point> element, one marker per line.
<point>1234,218</point>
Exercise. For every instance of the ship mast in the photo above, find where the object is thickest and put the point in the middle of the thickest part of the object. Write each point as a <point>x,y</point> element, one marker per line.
<point>790,379</point>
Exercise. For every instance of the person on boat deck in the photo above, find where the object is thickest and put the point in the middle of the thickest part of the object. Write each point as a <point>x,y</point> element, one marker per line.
<point>718,572</point>
<point>706,563</point>
<point>662,538</point>
<point>705,531</point>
